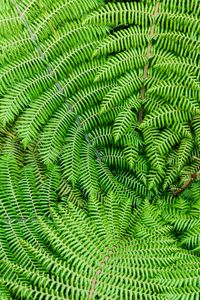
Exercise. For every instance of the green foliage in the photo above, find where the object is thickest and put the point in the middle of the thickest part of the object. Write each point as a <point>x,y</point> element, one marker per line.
<point>99,144</point>
<point>90,254</point>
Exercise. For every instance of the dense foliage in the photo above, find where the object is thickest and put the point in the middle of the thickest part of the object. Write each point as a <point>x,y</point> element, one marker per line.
<point>100,149</point>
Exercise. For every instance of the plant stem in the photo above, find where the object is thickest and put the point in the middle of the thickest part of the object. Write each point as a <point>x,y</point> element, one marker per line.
<point>97,273</point>
<point>148,55</point>
<point>186,184</point>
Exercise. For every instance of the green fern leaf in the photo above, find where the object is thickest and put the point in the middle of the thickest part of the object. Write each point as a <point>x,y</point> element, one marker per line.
<point>54,133</point>
<point>121,13</point>
<point>71,154</point>
<point>123,122</point>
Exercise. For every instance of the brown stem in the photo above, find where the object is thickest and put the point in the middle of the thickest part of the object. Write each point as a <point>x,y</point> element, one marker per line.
<point>96,274</point>
<point>148,55</point>
<point>141,114</point>
<point>186,184</point>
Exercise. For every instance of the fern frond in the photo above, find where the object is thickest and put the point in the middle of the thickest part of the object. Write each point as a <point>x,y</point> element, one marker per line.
<point>66,63</point>
<point>196,126</point>
<point>185,71</point>
<point>20,69</point>
<point>181,44</point>
<point>123,122</point>
<point>171,175</point>
<point>71,35</point>
<point>184,151</point>
<point>88,177</point>
<point>9,185</point>
<point>121,13</point>
<point>166,140</point>
<point>128,84</point>
<point>111,208</point>
<point>68,193</point>
<point>182,129</point>
<point>36,116</point>
<point>155,158</point>
<point>89,97</point>
<point>95,249</point>
<point>71,154</point>
<point>54,133</point>
<point>99,144</point>
<point>132,181</point>
<point>81,76</point>
<point>14,218</point>
<point>48,192</point>
<point>141,168</point>
<point>59,13</point>
<point>32,159</point>
<point>177,96</point>
<point>93,119</point>
<point>21,94</point>
<point>102,136</point>
<point>120,63</point>
<point>10,22</point>
<point>29,192</point>
<point>114,158</point>
<point>155,178</point>
<point>131,155</point>
<point>166,116</point>
<point>11,146</point>
<point>190,7</point>
<point>122,40</point>
<point>110,183</point>
<point>180,21</point>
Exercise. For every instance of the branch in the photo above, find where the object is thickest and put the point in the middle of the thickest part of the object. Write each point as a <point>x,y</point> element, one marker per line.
<point>186,184</point>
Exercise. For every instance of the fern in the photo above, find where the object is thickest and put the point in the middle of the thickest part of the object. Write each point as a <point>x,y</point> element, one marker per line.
<point>122,123</point>
<point>132,62</point>
<point>167,55</point>
<point>97,253</point>
<point>99,144</point>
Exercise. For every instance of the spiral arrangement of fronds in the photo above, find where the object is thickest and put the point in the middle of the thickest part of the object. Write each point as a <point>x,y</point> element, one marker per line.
<point>100,149</point>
